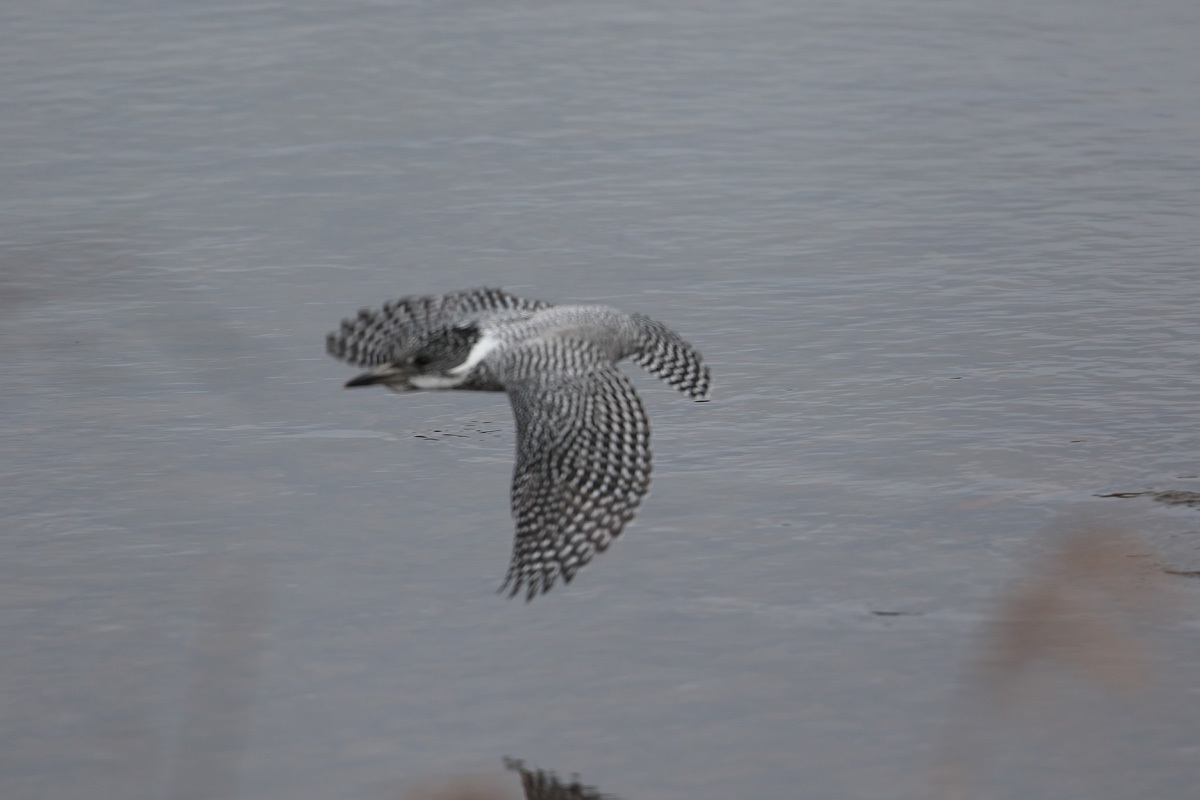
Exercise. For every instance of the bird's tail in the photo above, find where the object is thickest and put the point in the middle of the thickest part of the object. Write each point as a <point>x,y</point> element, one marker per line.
<point>665,354</point>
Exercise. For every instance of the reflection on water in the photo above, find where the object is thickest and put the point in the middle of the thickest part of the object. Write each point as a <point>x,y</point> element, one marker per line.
<point>536,784</point>
<point>545,785</point>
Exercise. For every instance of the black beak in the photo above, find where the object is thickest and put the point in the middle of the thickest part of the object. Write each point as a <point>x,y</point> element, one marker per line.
<point>393,376</point>
<point>366,379</point>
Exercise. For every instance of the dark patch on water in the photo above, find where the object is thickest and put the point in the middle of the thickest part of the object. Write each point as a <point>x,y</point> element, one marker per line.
<point>1171,497</point>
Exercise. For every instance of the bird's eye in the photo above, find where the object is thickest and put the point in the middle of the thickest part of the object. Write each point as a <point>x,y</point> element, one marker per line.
<point>421,361</point>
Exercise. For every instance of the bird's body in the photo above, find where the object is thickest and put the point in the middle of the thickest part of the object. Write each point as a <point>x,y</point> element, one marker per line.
<point>583,441</point>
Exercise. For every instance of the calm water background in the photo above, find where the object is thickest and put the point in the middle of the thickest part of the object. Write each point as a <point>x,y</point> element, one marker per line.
<point>942,257</point>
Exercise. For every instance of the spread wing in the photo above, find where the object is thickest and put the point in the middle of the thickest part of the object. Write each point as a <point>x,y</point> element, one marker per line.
<point>583,459</point>
<point>382,335</point>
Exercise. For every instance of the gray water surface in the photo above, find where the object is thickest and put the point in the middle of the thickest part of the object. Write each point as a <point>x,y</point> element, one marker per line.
<point>942,258</point>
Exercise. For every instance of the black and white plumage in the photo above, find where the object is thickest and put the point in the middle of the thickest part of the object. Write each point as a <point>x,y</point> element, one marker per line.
<point>583,440</point>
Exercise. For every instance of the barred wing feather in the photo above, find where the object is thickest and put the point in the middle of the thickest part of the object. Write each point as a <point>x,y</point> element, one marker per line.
<point>583,459</point>
<point>380,335</point>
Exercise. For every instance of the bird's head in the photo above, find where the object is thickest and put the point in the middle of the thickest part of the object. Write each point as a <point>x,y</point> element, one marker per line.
<point>439,361</point>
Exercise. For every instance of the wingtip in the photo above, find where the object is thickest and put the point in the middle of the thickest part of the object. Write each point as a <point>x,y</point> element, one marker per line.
<point>512,585</point>
<point>533,586</point>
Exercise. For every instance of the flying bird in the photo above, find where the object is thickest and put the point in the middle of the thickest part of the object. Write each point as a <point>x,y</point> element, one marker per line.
<point>583,440</point>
